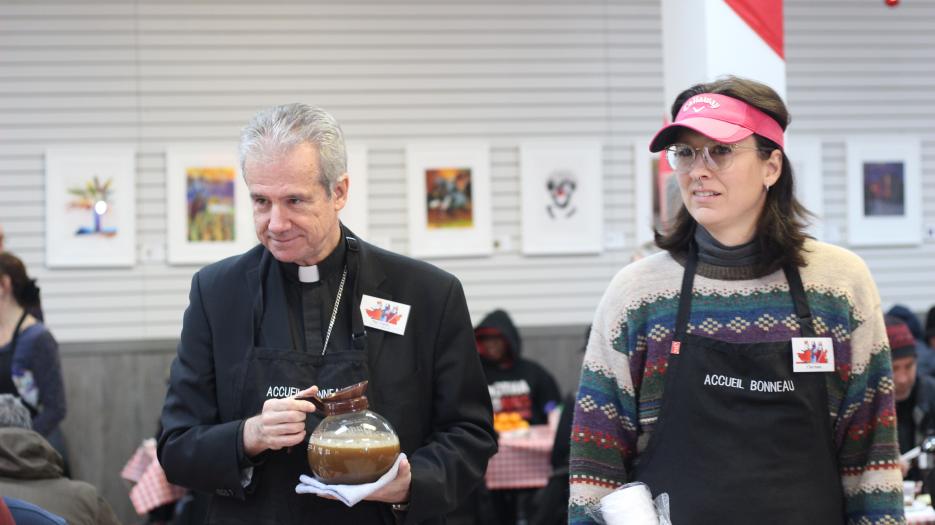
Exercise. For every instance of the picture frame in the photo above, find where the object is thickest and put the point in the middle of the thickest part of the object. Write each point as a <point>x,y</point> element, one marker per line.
<point>355,215</point>
<point>90,206</point>
<point>449,199</point>
<point>209,215</point>
<point>804,152</point>
<point>884,198</point>
<point>646,191</point>
<point>657,196</point>
<point>562,204</point>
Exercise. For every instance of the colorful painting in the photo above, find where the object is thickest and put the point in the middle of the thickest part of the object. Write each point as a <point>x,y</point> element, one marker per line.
<point>90,207</point>
<point>95,199</point>
<point>208,209</point>
<point>562,198</point>
<point>210,201</point>
<point>884,197</point>
<point>884,186</point>
<point>448,198</point>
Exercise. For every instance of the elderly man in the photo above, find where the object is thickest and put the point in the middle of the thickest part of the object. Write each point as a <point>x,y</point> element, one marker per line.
<point>289,318</point>
<point>914,393</point>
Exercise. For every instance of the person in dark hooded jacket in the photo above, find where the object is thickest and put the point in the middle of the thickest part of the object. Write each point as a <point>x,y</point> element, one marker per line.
<point>515,384</point>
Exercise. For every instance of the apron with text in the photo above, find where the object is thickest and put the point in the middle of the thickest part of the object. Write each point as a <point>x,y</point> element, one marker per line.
<point>754,445</point>
<point>287,370</point>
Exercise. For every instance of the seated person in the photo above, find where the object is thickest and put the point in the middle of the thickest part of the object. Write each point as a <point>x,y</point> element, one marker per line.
<point>31,470</point>
<point>914,393</point>
<point>517,386</point>
<point>925,355</point>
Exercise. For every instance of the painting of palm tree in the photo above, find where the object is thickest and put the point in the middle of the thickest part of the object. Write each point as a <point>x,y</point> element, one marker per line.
<point>94,196</point>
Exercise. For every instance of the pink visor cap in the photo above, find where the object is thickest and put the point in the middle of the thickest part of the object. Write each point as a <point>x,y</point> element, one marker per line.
<point>721,118</point>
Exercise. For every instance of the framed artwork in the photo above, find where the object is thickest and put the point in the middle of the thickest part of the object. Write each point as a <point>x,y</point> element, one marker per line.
<point>354,214</point>
<point>449,199</point>
<point>90,207</point>
<point>648,205</point>
<point>884,204</point>
<point>562,197</point>
<point>209,214</point>
<point>657,195</point>
<point>805,154</point>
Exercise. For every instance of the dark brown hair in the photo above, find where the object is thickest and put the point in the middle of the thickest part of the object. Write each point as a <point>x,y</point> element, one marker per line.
<point>25,290</point>
<point>780,229</point>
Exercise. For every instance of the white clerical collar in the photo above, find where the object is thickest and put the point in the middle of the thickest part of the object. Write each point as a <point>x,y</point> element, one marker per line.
<point>308,274</point>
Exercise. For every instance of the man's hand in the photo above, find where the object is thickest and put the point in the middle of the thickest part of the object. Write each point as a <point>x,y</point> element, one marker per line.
<point>904,467</point>
<point>281,424</point>
<point>396,491</point>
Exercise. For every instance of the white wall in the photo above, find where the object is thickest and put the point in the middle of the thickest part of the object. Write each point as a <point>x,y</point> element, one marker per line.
<point>150,73</point>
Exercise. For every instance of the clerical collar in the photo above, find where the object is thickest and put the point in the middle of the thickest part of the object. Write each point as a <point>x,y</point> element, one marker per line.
<point>328,268</point>
<point>711,251</point>
<point>308,274</point>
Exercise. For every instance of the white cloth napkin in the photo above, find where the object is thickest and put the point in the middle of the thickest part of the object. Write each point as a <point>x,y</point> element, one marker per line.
<point>350,495</point>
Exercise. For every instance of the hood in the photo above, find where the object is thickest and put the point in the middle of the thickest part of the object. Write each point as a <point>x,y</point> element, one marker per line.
<point>499,322</point>
<point>910,319</point>
<point>25,454</point>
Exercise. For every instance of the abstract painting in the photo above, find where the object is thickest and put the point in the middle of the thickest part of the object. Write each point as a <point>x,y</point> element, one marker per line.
<point>884,201</point>
<point>209,215</point>
<point>90,207</point>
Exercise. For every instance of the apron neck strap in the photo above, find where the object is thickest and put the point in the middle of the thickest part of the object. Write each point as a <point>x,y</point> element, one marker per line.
<point>685,295</point>
<point>19,325</point>
<point>358,332</point>
<point>799,300</point>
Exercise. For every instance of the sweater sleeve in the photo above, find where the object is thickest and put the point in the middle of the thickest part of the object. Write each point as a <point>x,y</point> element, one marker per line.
<point>865,426</point>
<point>603,438</point>
<point>47,371</point>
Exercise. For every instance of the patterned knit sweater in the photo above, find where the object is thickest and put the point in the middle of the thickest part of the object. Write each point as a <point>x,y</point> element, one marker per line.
<point>622,379</point>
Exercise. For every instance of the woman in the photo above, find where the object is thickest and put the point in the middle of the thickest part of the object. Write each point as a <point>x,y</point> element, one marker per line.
<point>744,370</point>
<point>29,362</point>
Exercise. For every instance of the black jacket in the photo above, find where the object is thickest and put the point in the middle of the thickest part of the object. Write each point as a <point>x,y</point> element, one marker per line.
<point>428,383</point>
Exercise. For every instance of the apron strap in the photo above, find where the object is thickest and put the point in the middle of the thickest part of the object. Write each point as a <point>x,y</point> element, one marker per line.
<point>800,301</point>
<point>19,325</point>
<point>358,332</point>
<point>685,296</point>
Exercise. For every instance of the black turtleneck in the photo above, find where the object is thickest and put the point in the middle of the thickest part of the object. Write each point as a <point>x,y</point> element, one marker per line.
<point>311,304</point>
<point>729,263</point>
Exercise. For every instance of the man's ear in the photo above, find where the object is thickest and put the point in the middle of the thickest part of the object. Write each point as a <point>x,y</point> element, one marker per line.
<point>339,194</point>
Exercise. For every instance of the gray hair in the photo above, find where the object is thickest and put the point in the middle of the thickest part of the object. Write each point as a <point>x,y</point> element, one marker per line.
<point>276,130</point>
<point>13,413</point>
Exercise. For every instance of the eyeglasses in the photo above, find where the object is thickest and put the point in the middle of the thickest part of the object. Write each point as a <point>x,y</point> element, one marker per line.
<point>716,156</point>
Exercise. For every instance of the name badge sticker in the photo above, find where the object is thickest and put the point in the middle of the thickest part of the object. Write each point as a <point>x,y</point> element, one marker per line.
<point>812,354</point>
<point>384,314</point>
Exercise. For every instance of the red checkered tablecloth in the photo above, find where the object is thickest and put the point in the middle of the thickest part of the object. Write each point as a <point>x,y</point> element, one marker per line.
<point>152,489</point>
<point>522,461</point>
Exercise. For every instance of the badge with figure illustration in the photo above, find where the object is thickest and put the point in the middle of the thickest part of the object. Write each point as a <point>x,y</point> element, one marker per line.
<point>562,204</point>
<point>384,314</point>
<point>812,354</point>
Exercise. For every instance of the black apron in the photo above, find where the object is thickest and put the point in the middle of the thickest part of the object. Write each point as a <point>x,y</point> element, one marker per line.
<point>279,372</point>
<point>728,455</point>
